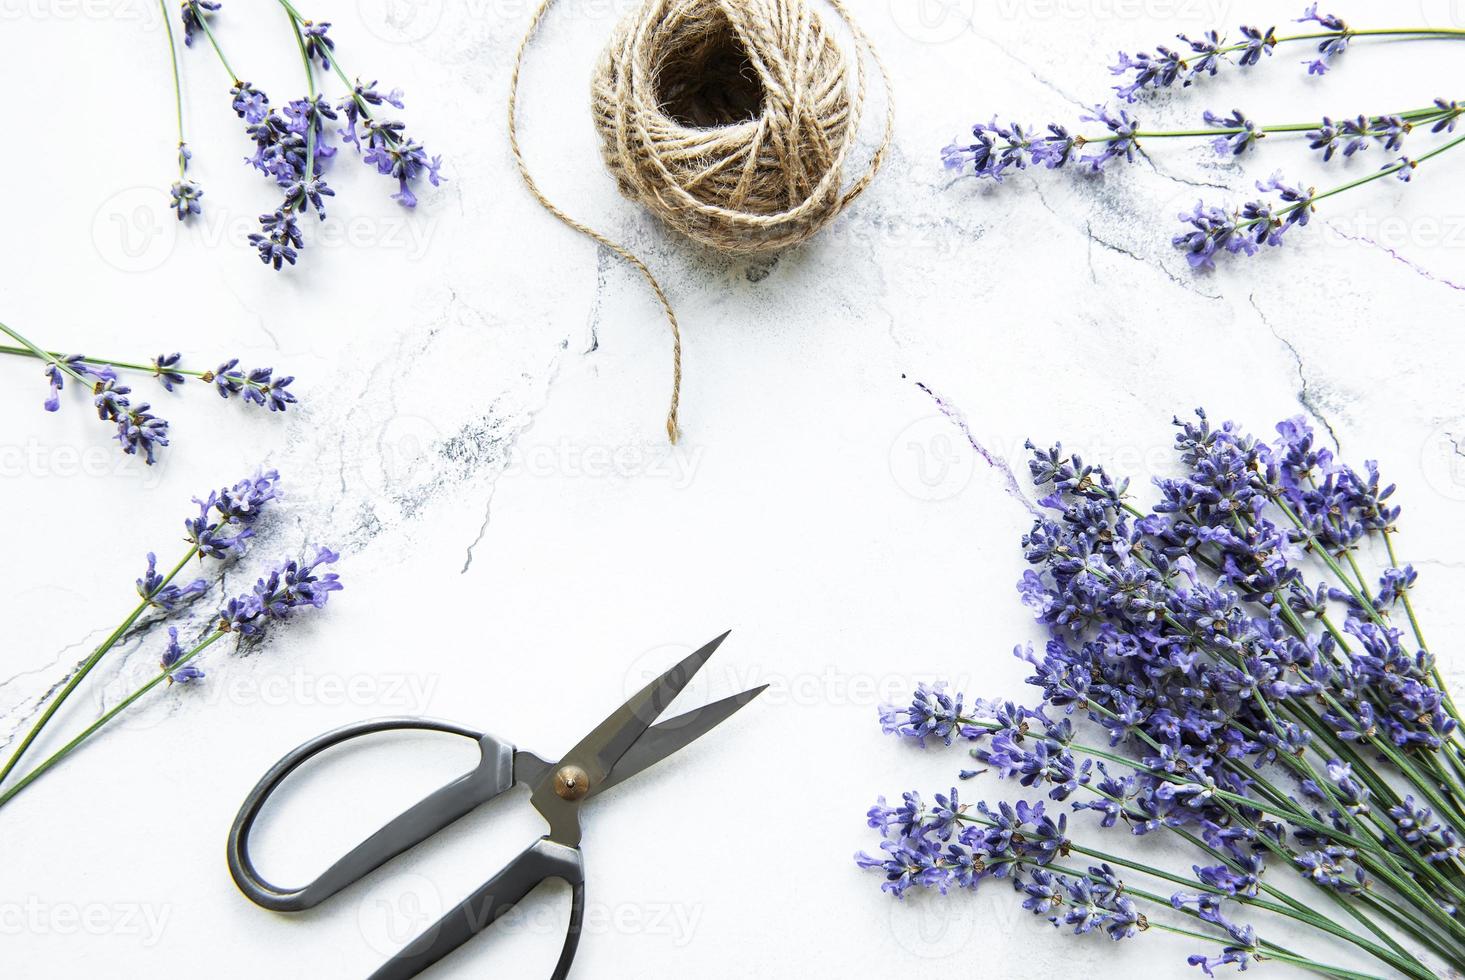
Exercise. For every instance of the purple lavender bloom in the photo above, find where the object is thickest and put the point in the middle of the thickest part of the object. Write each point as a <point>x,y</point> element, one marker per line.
<point>110,399</point>
<point>304,115</point>
<point>181,675</point>
<point>278,240</point>
<point>1160,70</point>
<point>186,196</point>
<point>1326,138</point>
<point>227,378</point>
<point>1405,171</point>
<point>193,14</point>
<point>264,389</point>
<point>293,586</point>
<point>140,432</point>
<point>168,598</point>
<point>352,107</point>
<point>1214,232</point>
<point>1234,144</point>
<point>1329,48</point>
<point>1207,51</point>
<point>1055,149</point>
<point>300,193</point>
<point>317,44</point>
<point>55,373</point>
<point>932,712</point>
<point>1122,141</point>
<point>1239,951</point>
<point>1257,43</point>
<point>404,160</point>
<point>1452,110</point>
<point>249,103</point>
<point>225,517</point>
<point>1260,222</point>
<point>165,369</point>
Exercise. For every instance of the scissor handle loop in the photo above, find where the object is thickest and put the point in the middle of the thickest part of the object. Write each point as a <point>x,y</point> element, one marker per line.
<point>493,775</point>
<point>536,864</point>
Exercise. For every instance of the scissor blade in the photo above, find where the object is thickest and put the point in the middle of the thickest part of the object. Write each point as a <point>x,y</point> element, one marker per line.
<point>599,751</point>
<point>670,737</point>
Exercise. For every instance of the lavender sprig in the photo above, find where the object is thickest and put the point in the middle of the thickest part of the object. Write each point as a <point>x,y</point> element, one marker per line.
<point>1212,231</point>
<point>139,431</point>
<point>1002,147</point>
<point>186,194</point>
<point>1198,640</point>
<point>293,586</point>
<point>220,531</point>
<point>1204,56</point>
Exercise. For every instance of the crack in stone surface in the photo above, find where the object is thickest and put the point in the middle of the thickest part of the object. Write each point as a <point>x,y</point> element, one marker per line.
<point>1304,392</point>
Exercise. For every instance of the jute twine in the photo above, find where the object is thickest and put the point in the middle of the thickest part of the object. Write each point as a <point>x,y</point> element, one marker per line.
<point>730,120</point>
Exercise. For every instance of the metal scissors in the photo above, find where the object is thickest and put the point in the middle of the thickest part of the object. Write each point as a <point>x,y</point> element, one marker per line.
<point>619,747</point>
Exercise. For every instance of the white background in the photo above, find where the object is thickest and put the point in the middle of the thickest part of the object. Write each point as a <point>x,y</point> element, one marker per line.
<point>479,435</point>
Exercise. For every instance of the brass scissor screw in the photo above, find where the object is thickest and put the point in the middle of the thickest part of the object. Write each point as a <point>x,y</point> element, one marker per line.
<point>571,783</point>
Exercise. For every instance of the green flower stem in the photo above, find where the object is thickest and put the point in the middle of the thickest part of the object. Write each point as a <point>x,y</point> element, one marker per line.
<point>1420,32</point>
<point>1274,953</point>
<point>32,350</point>
<point>1399,958</point>
<point>214,42</point>
<point>87,666</point>
<point>1444,947</point>
<point>1414,117</point>
<point>177,84</point>
<point>1452,809</point>
<point>310,89</point>
<point>1302,820</point>
<point>1297,908</point>
<point>1346,751</point>
<point>1419,638</point>
<point>1388,171</point>
<point>1338,899</point>
<point>1163,902</point>
<point>1380,865</point>
<point>1313,724</point>
<point>1412,969</point>
<point>1427,869</point>
<point>92,729</point>
<point>1386,828</point>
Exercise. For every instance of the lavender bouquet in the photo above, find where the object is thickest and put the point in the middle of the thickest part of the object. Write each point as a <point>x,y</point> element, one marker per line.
<point>294,146</point>
<point>1224,670</point>
<point>1115,135</point>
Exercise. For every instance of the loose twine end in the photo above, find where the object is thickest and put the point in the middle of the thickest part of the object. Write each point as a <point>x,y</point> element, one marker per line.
<point>730,120</point>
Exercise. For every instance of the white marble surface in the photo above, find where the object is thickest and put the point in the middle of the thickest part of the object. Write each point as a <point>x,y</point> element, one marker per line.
<point>479,434</point>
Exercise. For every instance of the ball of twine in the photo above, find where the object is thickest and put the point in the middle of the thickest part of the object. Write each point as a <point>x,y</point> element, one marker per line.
<point>730,120</point>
